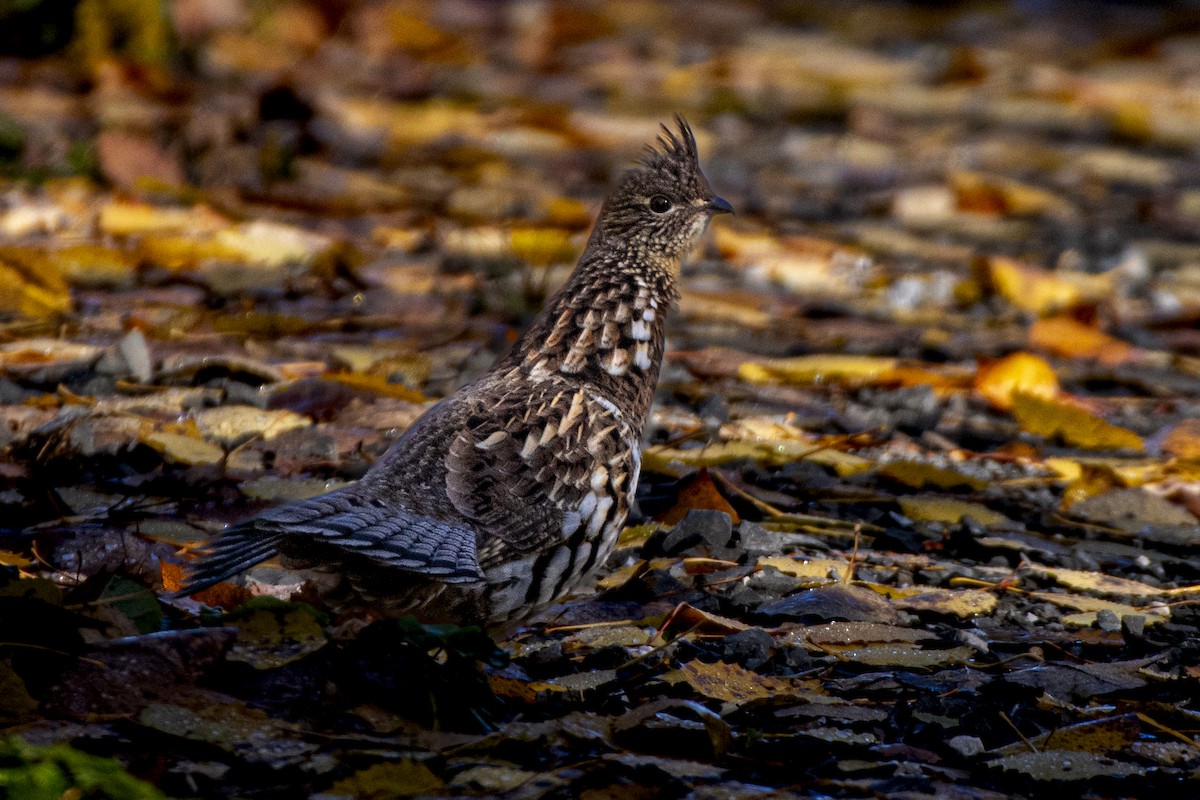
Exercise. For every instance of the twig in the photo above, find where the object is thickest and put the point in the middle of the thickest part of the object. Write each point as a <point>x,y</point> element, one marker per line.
<point>1017,731</point>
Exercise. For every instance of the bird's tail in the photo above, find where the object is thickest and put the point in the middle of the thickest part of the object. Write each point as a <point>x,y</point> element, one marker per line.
<point>237,549</point>
<point>249,542</point>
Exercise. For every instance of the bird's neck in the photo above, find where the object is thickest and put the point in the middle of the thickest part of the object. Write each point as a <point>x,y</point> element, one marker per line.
<point>604,328</point>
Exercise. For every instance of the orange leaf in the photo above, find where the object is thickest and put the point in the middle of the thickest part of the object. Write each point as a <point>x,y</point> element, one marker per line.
<point>1183,441</point>
<point>699,492</point>
<point>1069,338</point>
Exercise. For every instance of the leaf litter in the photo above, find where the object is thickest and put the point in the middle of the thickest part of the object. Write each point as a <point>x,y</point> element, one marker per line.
<point>919,497</point>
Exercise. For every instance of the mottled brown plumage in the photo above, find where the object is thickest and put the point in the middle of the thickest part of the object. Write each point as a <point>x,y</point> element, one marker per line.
<point>510,491</point>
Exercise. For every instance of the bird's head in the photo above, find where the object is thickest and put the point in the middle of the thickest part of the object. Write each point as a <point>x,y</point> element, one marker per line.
<point>662,206</point>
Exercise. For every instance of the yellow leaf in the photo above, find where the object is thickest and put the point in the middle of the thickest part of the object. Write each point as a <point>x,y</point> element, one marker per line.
<point>376,385</point>
<point>962,603</point>
<point>981,193</point>
<point>183,449</point>
<point>1019,372</point>
<point>1088,581</point>
<point>846,369</point>
<point>1060,418</point>
<point>526,691</point>
<point>544,246</point>
<point>130,219</point>
<point>1030,289</point>
<point>31,285</point>
<point>1065,468</point>
<point>918,474</point>
<point>1089,607</point>
<point>665,459</point>
<point>813,569</point>
<point>11,559</point>
<point>940,508</point>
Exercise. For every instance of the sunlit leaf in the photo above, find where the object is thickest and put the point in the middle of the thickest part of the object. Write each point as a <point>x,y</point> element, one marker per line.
<point>919,474</point>
<point>1069,338</point>
<point>1061,419</point>
<point>845,369</point>
<point>1019,372</point>
<point>938,508</point>
<point>821,570</point>
<point>1030,289</point>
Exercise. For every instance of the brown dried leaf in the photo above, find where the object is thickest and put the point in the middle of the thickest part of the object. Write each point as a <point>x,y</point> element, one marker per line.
<point>699,492</point>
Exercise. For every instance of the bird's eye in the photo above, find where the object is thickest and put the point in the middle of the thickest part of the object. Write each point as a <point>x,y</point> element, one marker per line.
<point>660,204</point>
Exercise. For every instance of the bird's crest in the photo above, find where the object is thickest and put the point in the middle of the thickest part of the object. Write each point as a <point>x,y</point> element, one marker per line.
<point>672,147</point>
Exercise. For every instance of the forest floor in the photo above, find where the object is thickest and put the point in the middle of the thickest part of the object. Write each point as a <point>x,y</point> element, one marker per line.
<point>919,500</point>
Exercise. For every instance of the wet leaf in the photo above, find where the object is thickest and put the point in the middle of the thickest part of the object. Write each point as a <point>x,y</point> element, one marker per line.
<point>731,683</point>
<point>935,508</point>
<point>231,425</point>
<point>1065,765</point>
<point>273,633</point>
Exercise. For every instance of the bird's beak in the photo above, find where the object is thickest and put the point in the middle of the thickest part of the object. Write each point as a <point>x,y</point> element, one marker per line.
<point>719,205</point>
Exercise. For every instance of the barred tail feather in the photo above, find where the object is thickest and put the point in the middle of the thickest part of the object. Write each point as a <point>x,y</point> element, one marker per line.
<point>235,551</point>
<point>345,529</point>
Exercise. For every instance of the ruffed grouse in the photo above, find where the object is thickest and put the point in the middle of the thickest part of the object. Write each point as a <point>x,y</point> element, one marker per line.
<point>506,494</point>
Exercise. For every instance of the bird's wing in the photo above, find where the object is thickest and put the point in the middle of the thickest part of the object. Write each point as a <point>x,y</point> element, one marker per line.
<point>337,526</point>
<point>557,466</point>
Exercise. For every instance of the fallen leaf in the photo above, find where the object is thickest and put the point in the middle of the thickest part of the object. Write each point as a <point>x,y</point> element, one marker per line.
<point>1090,581</point>
<point>918,474</point>
<point>375,385</point>
<point>272,633</point>
<point>823,570</point>
<point>699,492</point>
<point>1030,289</point>
<point>32,285</point>
<point>961,603</point>
<point>844,369</point>
<point>1183,440</point>
<point>1069,338</point>
<point>1018,372</point>
<point>1059,418</point>
<point>939,508</point>
<point>732,683</point>
<point>1057,766</point>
